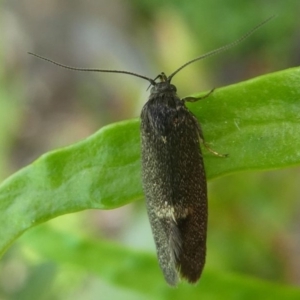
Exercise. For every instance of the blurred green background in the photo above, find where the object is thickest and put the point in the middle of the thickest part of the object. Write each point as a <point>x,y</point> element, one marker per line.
<point>254,223</point>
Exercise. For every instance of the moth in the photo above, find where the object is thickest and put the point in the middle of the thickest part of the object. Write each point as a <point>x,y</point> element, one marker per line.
<point>173,173</point>
<point>174,182</point>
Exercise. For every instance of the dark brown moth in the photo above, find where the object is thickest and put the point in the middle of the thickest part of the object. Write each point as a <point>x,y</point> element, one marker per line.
<point>174,182</point>
<point>173,174</point>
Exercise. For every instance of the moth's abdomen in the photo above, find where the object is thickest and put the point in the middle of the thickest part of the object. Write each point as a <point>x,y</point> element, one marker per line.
<point>175,188</point>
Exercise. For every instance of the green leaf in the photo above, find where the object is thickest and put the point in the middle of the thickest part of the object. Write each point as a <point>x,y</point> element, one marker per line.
<point>139,272</point>
<point>256,122</point>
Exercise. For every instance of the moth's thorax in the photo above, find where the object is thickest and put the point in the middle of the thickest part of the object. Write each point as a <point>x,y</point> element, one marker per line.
<point>164,87</point>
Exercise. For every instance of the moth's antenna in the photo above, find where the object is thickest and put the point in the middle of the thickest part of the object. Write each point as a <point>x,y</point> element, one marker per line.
<point>152,82</point>
<point>223,48</point>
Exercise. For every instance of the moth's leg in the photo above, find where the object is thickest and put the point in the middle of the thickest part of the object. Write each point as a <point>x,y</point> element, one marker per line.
<point>202,140</point>
<point>194,99</point>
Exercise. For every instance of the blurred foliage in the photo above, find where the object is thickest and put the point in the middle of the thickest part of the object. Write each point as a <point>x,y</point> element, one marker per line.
<point>254,217</point>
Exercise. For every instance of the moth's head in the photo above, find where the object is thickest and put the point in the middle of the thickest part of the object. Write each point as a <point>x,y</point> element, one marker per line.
<point>164,86</point>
